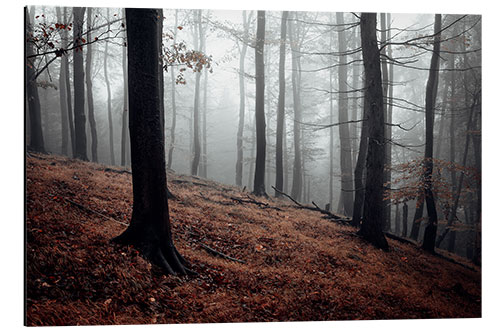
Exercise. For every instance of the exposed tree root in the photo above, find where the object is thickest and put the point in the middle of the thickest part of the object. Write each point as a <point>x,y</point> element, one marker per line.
<point>158,250</point>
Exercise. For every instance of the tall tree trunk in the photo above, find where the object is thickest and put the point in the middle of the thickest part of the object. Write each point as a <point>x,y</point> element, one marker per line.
<point>174,107</point>
<point>373,217</point>
<point>36,141</point>
<point>149,229</point>
<point>397,227</point>
<point>359,171</point>
<point>345,139</point>
<point>196,109</point>
<point>68,86</point>
<point>476,140</point>
<point>285,158</point>
<point>331,120</point>
<point>430,102</point>
<point>108,90</point>
<point>453,212</point>
<point>281,106</point>
<point>388,135</point>
<point>161,79</point>
<point>297,113</point>
<point>204,157</point>
<point>241,122</point>
<point>387,128</point>
<point>79,85</point>
<point>251,171</point>
<point>355,102</point>
<point>405,219</point>
<point>88,79</point>
<point>125,138</point>
<point>417,218</point>
<point>260,117</point>
<point>63,99</point>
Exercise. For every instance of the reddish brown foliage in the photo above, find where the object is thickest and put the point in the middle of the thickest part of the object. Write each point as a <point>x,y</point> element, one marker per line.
<point>299,266</point>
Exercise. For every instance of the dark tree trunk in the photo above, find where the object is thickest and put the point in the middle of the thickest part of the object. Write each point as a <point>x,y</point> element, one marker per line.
<point>174,108</point>
<point>196,109</point>
<point>90,97</point>
<point>297,113</point>
<point>454,208</point>
<point>430,101</point>
<point>108,90</point>
<point>397,221</point>
<point>345,139</point>
<point>63,99</point>
<point>281,107</point>
<point>405,219</point>
<point>417,218</point>
<point>161,79</point>
<point>355,101</point>
<point>124,137</point>
<point>260,117</point>
<point>359,171</point>
<point>149,228</point>
<point>373,217</point>
<point>79,85</point>
<point>451,243</point>
<point>36,141</point>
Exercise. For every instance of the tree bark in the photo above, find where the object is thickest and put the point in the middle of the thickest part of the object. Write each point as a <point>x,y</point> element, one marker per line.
<point>430,101</point>
<point>124,137</point>
<point>149,229</point>
<point>343,111</point>
<point>359,171</point>
<point>63,99</point>
<point>405,219</point>
<point>36,141</point>
<point>79,85</point>
<point>281,106</point>
<point>90,97</point>
<point>373,217</point>
<point>260,117</point>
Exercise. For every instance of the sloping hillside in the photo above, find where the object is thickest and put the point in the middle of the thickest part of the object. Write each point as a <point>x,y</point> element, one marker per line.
<point>289,263</point>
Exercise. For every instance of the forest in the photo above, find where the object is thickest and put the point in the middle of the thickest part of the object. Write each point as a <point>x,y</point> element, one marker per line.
<point>188,166</point>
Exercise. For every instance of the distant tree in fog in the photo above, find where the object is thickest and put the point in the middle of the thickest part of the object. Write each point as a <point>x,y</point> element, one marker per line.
<point>79,85</point>
<point>260,118</point>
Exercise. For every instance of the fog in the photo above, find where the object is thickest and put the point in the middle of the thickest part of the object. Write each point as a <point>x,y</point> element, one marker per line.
<point>318,84</point>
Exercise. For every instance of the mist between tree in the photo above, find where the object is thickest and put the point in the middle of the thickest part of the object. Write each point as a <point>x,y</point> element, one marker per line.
<point>375,117</point>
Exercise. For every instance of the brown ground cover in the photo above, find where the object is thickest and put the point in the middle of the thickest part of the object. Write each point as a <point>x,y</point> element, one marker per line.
<point>297,265</point>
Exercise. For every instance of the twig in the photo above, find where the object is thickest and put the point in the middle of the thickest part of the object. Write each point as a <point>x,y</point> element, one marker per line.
<point>289,197</point>
<point>217,253</point>
<point>117,171</point>
<point>82,207</point>
<point>400,239</point>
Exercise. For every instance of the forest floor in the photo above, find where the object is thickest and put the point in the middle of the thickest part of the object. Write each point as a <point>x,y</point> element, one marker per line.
<point>296,265</point>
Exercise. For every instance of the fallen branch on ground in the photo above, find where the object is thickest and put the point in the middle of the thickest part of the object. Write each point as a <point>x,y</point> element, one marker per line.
<point>82,207</point>
<point>329,215</point>
<point>217,253</point>
<point>255,202</point>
